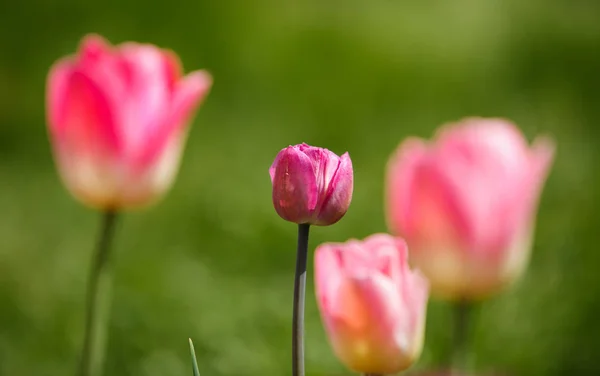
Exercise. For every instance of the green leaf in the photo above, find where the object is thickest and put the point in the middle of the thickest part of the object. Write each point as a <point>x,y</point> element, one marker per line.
<point>194,361</point>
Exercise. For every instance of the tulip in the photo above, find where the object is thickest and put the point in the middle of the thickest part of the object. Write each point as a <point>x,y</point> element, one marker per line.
<point>118,120</point>
<point>372,305</point>
<point>311,185</point>
<point>466,204</point>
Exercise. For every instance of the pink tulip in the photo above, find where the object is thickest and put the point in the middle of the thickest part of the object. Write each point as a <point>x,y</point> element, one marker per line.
<point>372,305</point>
<point>311,185</point>
<point>118,120</point>
<point>466,204</point>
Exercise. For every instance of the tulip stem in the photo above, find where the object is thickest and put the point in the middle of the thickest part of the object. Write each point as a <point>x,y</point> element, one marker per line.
<point>462,316</point>
<point>299,297</point>
<point>98,301</point>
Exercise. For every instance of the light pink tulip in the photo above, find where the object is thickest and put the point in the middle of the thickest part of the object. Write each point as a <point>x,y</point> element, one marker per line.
<point>372,305</point>
<point>466,204</point>
<point>311,185</point>
<point>118,118</point>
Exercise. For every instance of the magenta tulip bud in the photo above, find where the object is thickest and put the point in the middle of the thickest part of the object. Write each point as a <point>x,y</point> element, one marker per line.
<point>311,185</point>
<point>372,305</point>
<point>118,118</point>
<point>466,204</point>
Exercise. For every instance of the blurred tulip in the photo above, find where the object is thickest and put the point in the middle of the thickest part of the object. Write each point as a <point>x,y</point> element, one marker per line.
<point>466,204</point>
<point>372,305</point>
<point>311,185</point>
<point>118,121</point>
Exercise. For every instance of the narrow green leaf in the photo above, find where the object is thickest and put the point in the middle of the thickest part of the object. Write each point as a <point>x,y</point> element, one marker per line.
<point>194,361</point>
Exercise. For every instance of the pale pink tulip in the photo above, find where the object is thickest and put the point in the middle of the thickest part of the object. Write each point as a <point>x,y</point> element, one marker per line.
<point>311,185</point>
<point>372,305</point>
<point>118,118</point>
<point>466,204</point>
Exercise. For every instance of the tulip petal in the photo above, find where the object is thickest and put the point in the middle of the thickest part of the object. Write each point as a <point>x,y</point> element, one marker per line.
<point>273,168</point>
<point>415,293</point>
<point>370,328</point>
<point>172,69</point>
<point>379,295</point>
<point>337,298</point>
<point>392,260</point>
<point>86,122</point>
<point>355,261</point>
<point>187,97</point>
<point>278,157</point>
<point>325,163</point>
<point>93,50</point>
<point>339,269</point>
<point>400,186</point>
<point>294,186</point>
<point>541,156</point>
<point>329,271</point>
<point>390,255</point>
<point>378,261</point>
<point>56,91</point>
<point>148,85</point>
<point>339,193</point>
<point>189,94</point>
<point>481,162</point>
<point>100,62</point>
<point>543,150</point>
<point>420,204</point>
<point>97,58</point>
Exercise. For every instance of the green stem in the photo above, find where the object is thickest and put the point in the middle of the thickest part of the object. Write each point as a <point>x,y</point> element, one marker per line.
<point>299,298</point>
<point>98,301</point>
<point>194,361</point>
<point>460,349</point>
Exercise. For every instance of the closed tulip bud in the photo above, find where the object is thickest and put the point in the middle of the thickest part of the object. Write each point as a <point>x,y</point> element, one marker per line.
<point>466,204</point>
<point>311,185</point>
<point>372,305</point>
<point>118,120</point>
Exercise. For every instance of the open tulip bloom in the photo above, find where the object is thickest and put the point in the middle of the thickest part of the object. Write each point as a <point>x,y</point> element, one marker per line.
<point>372,305</point>
<point>466,204</point>
<point>311,186</point>
<point>117,119</point>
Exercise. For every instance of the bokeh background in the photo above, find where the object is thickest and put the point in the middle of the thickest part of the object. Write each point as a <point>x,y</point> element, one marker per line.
<point>213,261</point>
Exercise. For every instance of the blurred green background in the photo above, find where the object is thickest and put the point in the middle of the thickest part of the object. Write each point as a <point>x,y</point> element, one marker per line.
<point>213,261</point>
